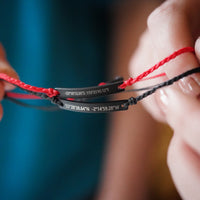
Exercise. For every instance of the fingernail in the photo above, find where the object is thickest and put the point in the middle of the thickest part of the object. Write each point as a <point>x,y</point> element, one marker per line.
<point>190,85</point>
<point>197,46</point>
<point>162,100</point>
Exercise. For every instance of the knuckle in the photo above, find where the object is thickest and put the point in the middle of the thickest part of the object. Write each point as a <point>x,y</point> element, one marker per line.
<point>161,14</point>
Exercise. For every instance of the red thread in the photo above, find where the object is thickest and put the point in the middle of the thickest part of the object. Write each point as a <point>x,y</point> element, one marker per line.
<point>102,83</point>
<point>70,99</point>
<point>144,79</point>
<point>21,96</point>
<point>156,76</point>
<point>49,92</point>
<point>131,81</point>
<point>52,92</point>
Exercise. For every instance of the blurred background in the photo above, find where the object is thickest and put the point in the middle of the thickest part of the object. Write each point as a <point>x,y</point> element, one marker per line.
<point>60,155</point>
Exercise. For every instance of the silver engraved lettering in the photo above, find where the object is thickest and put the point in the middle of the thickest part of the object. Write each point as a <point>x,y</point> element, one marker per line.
<point>77,108</point>
<point>89,92</point>
<point>82,108</point>
<point>105,108</point>
<point>74,93</point>
<point>97,91</point>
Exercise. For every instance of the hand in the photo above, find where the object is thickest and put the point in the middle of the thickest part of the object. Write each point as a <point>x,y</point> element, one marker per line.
<point>183,114</point>
<point>173,25</point>
<point>5,68</point>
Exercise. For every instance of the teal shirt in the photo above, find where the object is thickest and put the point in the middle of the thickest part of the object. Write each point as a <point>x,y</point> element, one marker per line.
<point>52,155</point>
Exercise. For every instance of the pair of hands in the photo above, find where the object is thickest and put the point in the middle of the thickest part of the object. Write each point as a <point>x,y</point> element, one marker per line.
<point>173,25</point>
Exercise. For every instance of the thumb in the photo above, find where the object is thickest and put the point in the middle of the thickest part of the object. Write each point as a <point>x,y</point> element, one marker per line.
<point>6,68</point>
<point>170,31</point>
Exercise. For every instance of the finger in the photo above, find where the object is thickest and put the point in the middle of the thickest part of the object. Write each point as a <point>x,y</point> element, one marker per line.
<point>184,165</point>
<point>170,30</point>
<point>197,48</point>
<point>6,68</point>
<point>142,59</point>
<point>1,91</point>
<point>1,97</point>
<point>2,53</point>
<point>182,113</point>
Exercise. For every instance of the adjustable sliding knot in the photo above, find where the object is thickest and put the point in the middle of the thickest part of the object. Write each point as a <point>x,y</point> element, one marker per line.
<point>56,101</point>
<point>131,81</point>
<point>129,102</point>
<point>126,83</point>
<point>50,92</point>
<point>132,101</point>
<point>78,99</point>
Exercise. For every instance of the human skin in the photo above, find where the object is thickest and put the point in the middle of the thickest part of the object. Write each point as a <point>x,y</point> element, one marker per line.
<point>126,164</point>
<point>132,133</point>
<point>173,25</point>
<point>178,144</point>
<point>126,172</point>
<point>7,69</point>
<point>183,113</point>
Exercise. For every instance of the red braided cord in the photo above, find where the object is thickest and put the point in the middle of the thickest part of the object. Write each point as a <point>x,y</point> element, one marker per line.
<point>49,92</point>
<point>131,81</point>
<point>30,96</point>
<point>52,92</point>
